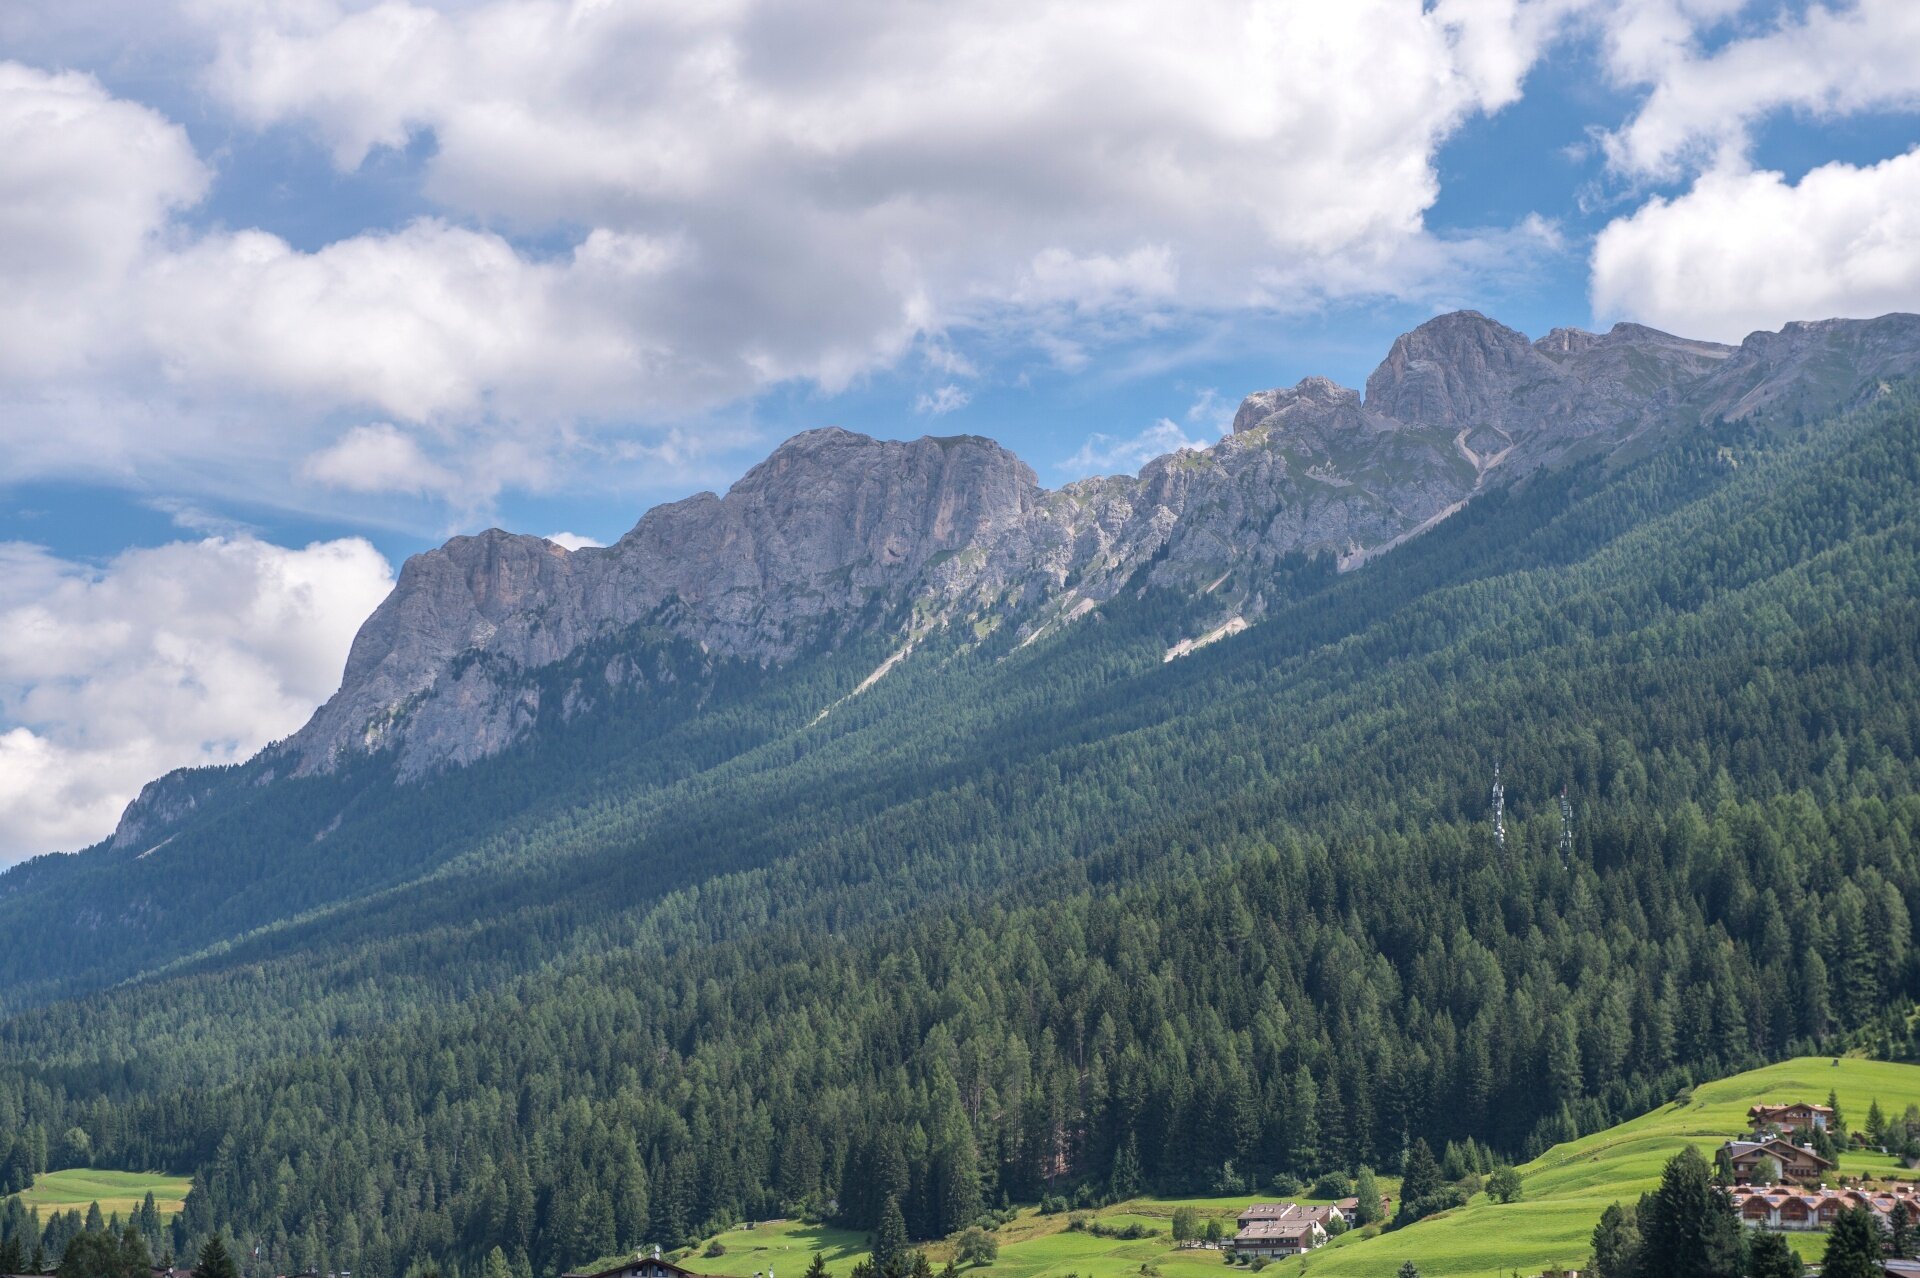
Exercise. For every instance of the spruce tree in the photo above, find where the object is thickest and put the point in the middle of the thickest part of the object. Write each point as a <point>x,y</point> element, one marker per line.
<point>1853,1247</point>
<point>817,1267</point>
<point>890,1256</point>
<point>1900,1230</point>
<point>1419,1182</point>
<point>1770,1256</point>
<point>1688,1228</point>
<point>1124,1183</point>
<point>215,1262</point>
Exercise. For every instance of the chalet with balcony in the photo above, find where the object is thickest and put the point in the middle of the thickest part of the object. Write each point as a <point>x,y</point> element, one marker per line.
<point>1772,1159</point>
<point>1798,1117</point>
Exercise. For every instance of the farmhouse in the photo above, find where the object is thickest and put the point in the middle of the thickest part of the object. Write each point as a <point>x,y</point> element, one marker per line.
<point>1282,1229</point>
<point>1770,1159</point>
<point>641,1267</point>
<point>1797,1117</point>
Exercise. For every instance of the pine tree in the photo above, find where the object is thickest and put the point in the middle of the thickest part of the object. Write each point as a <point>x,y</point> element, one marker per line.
<point>215,1262</point>
<point>1688,1228</point>
<point>1853,1247</point>
<point>890,1256</point>
<point>1124,1183</point>
<point>1419,1182</point>
<point>136,1261</point>
<point>1769,1255</point>
<point>1900,1230</point>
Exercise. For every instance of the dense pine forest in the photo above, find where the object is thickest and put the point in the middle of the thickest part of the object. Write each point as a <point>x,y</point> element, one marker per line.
<point>1048,920</point>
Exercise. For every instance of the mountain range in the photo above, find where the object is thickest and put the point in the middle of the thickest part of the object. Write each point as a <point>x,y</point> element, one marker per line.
<point>837,534</point>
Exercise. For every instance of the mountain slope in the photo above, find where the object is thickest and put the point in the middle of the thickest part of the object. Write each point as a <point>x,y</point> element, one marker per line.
<point>838,535</point>
<point>1021,904</point>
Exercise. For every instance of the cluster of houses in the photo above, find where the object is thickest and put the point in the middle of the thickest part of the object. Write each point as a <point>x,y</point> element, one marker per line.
<point>1776,1153</point>
<point>1273,1231</point>
<point>1779,1182</point>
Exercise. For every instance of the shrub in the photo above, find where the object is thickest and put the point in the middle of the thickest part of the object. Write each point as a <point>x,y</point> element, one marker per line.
<point>1332,1185</point>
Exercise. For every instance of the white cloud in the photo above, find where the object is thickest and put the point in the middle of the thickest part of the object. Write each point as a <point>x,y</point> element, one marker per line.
<point>185,654</point>
<point>1108,454</point>
<point>1830,61</point>
<point>88,184</point>
<point>1747,250</point>
<point>841,181</point>
<point>728,197</point>
<point>945,400</point>
<point>377,459</point>
<point>572,541</point>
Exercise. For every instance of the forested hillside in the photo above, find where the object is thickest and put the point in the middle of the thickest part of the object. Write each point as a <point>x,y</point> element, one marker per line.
<point>1022,918</point>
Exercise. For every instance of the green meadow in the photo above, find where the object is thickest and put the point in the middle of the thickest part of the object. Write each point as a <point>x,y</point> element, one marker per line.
<point>115,1191</point>
<point>1566,1189</point>
<point>1031,1246</point>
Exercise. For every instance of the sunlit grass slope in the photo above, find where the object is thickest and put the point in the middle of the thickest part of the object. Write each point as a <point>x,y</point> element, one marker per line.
<point>76,1187</point>
<point>1568,1187</point>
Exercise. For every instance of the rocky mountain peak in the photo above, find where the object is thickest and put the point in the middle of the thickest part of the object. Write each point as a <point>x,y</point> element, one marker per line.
<point>1454,370</point>
<point>837,531</point>
<point>1311,396</point>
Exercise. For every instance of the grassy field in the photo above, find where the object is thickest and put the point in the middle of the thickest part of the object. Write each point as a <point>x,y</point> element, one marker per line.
<point>113,1190</point>
<point>1032,1246</point>
<point>1570,1185</point>
<point>1566,1189</point>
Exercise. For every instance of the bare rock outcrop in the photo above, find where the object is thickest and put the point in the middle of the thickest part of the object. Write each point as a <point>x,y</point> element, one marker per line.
<point>836,533</point>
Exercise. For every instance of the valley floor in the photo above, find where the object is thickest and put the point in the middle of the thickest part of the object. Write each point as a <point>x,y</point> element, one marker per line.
<point>1565,1190</point>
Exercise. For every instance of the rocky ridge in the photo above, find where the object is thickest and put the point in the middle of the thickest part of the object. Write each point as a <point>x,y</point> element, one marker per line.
<point>837,533</point>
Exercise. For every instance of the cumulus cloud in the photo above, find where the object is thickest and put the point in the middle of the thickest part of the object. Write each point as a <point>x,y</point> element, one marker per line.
<point>377,459</point>
<point>1109,454</point>
<point>837,183</point>
<point>88,184</point>
<point>572,541</point>
<point>1747,250</point>
<point>185,654</point>
<point>1741,248</point>
<point>1829,61</point>
<point>725,198</point>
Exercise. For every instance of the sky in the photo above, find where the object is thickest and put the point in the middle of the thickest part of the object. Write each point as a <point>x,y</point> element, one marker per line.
<point>293,289</point>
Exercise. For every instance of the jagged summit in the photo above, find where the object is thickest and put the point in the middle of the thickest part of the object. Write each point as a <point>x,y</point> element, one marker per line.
<point>836,532</point>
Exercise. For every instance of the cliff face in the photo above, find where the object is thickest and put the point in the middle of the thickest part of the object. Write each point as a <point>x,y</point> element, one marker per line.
<point>837,533</point>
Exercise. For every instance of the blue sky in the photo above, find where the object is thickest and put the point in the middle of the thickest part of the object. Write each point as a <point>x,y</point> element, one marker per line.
<point>289,292</point>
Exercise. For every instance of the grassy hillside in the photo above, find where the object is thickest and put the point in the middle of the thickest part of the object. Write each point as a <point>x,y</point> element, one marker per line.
<point>1566,1190</point>
<point>1570,1185</point>
<point>115,1191</point>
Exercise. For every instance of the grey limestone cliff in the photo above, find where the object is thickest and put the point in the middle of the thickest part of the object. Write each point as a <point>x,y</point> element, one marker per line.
<point>836,533</point>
